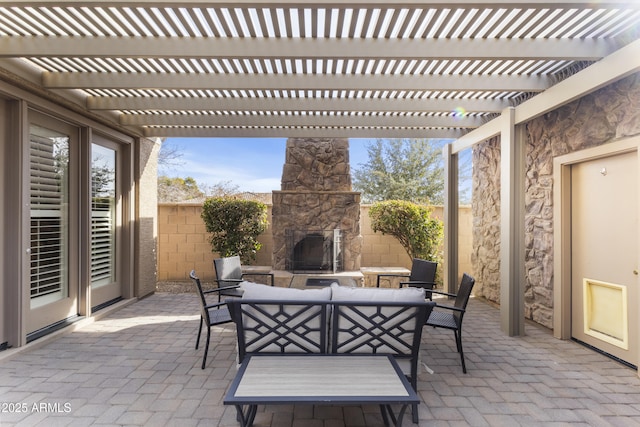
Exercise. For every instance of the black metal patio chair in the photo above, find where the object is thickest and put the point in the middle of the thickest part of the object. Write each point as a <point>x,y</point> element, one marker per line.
<point>210,314</point>
<point>229,275</point>
<point>450,316</point>
<point>423,275</point>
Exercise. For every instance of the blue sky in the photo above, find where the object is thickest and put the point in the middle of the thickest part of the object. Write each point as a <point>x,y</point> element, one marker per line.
<point>251,164</point>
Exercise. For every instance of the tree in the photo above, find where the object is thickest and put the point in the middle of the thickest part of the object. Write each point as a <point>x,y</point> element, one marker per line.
<point>235,225</point>
<point>172,190</point>
<point>220,189</point>
<point>402,169</point>
<point>169,157</point>
<point>412,224</point>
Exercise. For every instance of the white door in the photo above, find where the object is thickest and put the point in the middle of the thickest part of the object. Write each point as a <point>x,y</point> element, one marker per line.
<point>604,254</point>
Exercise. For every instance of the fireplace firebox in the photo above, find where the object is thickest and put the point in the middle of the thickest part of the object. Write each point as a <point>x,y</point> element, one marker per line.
<point>315,251</point>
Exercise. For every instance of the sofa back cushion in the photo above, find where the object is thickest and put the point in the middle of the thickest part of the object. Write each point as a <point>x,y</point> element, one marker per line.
<point>258,291</point>
<point>345,293</point>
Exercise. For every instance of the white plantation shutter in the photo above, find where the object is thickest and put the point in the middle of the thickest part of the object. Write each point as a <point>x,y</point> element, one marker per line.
<point>102,242</point>
<point>48,202</point>
<point>103,236</point>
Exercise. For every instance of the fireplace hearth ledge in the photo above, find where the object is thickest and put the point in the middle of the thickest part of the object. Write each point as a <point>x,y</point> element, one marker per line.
<point>298,280</point>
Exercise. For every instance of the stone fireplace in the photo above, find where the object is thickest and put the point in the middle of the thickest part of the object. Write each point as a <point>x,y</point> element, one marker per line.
<point>316,216</point>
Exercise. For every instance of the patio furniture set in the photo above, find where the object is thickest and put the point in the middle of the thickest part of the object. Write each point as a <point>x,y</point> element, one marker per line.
<point>330,345</point>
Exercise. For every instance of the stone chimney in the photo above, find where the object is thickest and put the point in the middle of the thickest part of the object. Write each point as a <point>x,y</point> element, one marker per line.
<point>316,200</point>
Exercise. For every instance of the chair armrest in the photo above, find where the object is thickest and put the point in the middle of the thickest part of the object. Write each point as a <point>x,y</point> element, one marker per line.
<point>444,293</point>
<point>259,274</point>
<point>215,305</point>
<point>418,282</point>
<point>450,307</point>
<point>224,288</point>
<point>389,275</point>
<point>427,286</point>
<point>238,281</point>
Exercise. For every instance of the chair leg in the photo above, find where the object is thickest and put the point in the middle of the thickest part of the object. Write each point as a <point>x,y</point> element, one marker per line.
<point>199,332</point>
<point>413,380</point>
<point>458,335</point>
<point>206,349</point>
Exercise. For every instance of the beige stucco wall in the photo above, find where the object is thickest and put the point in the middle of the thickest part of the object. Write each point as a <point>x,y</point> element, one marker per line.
<point>147,229</point>
<point>183,243</point>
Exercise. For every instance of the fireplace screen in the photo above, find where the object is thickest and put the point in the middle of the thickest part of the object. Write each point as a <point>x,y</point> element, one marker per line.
<point>313,251</point>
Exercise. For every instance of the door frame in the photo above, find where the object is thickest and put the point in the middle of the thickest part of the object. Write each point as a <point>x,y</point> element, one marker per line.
<point>50,313</point>
<point>562,228</point>
<point>120,264</point>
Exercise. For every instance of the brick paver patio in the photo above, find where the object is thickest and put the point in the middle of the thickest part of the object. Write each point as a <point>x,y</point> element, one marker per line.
<point>138,366</point>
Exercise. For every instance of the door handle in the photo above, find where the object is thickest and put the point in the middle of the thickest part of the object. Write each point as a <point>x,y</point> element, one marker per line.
<point>635,272</point>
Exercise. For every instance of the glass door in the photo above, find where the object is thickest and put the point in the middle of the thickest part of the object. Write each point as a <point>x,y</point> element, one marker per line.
<point>105,287</point>
<point>52,297</point>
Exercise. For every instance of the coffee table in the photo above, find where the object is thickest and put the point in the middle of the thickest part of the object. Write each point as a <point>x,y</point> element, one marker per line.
<point>320,379</point>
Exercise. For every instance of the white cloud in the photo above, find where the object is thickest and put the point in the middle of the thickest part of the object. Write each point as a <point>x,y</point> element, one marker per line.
<point>246,178</point>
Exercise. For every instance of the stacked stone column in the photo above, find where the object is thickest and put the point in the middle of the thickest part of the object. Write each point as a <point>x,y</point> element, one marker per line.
<point>316,195</point>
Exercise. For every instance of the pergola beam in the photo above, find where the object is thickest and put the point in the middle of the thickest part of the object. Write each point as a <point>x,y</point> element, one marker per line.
<point>294,104</point>
<point>327,3</point>
<point>302,132</point>
<point>508,83</point>
<point>306,48</point>
<point>294,121</point>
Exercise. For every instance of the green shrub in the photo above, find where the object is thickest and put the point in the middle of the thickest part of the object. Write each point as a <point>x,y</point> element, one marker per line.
<point>412,224</point>
<point>235,226</point>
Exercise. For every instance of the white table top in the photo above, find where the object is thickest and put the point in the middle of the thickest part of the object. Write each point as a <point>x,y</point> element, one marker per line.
<point>320,377</point>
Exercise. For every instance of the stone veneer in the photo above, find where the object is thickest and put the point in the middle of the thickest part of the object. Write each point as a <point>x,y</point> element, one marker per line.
<point>316,195</point>
<point>603,116</point>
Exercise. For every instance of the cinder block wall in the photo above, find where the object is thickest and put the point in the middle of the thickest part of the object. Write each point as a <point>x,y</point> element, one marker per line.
<point>183,243</point>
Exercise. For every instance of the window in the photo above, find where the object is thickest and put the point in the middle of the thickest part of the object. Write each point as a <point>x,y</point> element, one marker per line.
<point>49,201</point>
<point>103,215</point>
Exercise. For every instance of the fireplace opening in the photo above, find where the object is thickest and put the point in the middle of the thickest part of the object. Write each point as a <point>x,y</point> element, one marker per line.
<point>314,251</point>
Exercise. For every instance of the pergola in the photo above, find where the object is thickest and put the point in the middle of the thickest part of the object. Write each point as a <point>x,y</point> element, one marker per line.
<point>427,69</point>
<point>468,70</point>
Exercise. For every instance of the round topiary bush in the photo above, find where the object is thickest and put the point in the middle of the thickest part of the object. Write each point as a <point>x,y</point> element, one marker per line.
<point>235,225</point>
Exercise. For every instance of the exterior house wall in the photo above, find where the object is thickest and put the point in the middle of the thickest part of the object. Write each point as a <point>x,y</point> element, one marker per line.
<point>147,228</point>
<point>606,115</point>
<point>183,243</point>
<point>3,292</point>
<point>135,256</point>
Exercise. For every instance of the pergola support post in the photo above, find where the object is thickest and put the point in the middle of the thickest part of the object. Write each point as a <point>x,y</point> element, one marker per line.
<point>512,248</point>
<point>450,219</point>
